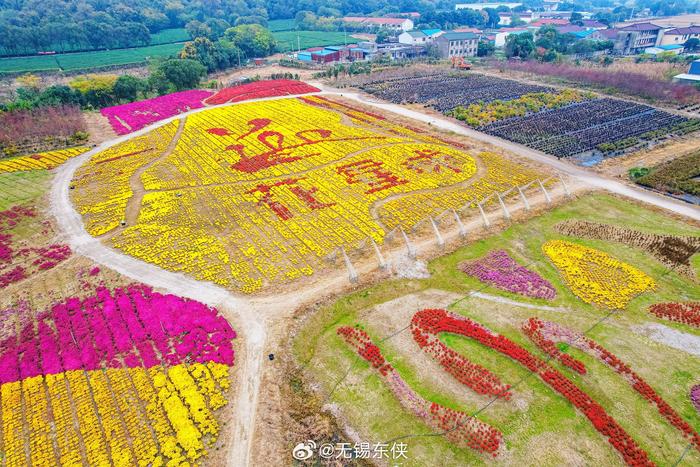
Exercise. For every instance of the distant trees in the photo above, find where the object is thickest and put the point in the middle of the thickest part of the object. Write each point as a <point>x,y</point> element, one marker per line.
<point>218,50</point>
<point>97,91</point>
<point>692,44</point>
<point>212,29</point>
<point>485,48</point>
<point>183,74</point>
<point>214,56</point>
<point>308,20</point>
<point>63,37</point>
<point>576,18</point>
<point>383,36</point>
<point>520,45</point>
<point>493,17</point>
<point>448,19</point>
<point>127,88</point>
<point>252,39</point>
<point>74,25</point>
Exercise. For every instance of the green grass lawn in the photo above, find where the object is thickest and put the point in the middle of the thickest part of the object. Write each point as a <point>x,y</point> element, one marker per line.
<point>540,427</point>
<point>19,187</point>
<point>85,60</point>
<point>287,40</point>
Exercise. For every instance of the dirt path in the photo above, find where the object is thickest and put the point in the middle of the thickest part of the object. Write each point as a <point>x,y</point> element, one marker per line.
<point>257,318</point>
<point>133,206</point>
<point>507,301</point>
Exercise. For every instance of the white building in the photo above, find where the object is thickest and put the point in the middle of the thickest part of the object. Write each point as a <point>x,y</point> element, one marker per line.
<point>394,24</point>
<point>693,75</point>
<point>413,38</point>
<point>483,6</point>
<point>551,5</point>
<point>680,36</point>
<point>507,18</point>
<point>675,49</point>
<point>503,33</point>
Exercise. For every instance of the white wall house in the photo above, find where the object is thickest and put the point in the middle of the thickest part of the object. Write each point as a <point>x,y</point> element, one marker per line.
<point>502,34</point>
<point>680,36</point>
<point>507,18</point>
<point>414,38</point>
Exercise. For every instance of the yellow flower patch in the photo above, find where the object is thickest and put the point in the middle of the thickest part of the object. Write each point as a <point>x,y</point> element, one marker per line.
<point>261,193</point>
<point>596,277</point>
<point>39,161</point>
<point>101,187</point>
<point>122,417</point>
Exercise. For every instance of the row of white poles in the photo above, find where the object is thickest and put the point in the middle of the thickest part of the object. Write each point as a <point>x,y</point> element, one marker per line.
<point>411,249</point>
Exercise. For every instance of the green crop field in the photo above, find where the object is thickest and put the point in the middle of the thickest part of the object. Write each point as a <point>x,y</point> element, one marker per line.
<point>169,36</point>
<point>85,60</point>
<point>166,36</point>
<point>277,25</point>
<point>287,40</point>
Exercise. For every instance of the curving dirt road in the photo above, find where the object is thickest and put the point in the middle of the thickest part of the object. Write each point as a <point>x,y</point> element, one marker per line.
<point>255,317</point>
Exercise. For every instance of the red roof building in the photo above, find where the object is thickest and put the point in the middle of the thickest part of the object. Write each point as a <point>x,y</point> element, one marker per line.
<point>473,30</point>
<point>547,21</point>
<point>593,24</point>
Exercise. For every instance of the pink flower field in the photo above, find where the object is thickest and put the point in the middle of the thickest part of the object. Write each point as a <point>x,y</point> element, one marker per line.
<point>498,269</point>
<point>131,117</point>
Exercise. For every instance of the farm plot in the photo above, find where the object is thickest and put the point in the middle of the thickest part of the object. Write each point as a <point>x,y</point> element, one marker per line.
<point>444,93</point>
<point>679,177</point>
<point>288,41</point>
<point>584,126</point>
<point>39,161</point>
<point>571,383</point>
<point>22,257</point>
<point>261,193</point>
<point>41,129</point>
<point>260,89</point>
<point>87,60</point>
<point>123,377</point>
<point>20,187</point>
<point>127,118</point>
<point>562,123</point>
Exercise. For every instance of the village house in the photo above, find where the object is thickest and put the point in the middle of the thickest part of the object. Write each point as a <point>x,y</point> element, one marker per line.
<point>457,44</point>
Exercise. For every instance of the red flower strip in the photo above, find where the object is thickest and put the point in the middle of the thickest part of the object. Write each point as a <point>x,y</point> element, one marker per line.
<point>459,427</point>
<point>686,313</point>
<point>545,334</point>
<point>433,322</point>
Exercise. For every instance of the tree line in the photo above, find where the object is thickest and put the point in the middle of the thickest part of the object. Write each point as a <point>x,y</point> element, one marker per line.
<point>98,91</point>
<point>33,26</point>
<point>548,45</point>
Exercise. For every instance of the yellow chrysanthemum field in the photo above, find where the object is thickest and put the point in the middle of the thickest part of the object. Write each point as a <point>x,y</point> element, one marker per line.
<point>260,193</point>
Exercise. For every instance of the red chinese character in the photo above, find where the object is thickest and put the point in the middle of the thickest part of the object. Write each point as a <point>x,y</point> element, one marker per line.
<point>279,151</point>
<point>431,161</point>
<point>281,210</point>
<point>370,172</point>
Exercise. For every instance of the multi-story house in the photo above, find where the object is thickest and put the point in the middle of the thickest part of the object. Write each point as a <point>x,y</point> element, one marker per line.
<point>457,44</point>
<point>680,36</point>
<point>636,38</point>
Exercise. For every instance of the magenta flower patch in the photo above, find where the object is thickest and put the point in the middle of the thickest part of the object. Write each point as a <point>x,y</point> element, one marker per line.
<point>498,269</point>
<point>124,328</point>
<point>695,396</point>
<point>131,117</point>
